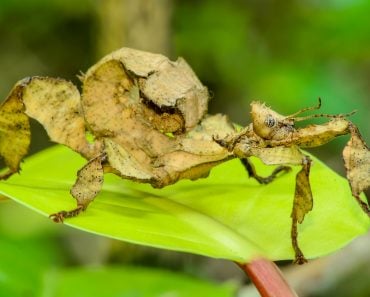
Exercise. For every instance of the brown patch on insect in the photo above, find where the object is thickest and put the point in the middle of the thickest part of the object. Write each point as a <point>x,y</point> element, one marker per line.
<point>166,120</point>
<point>87,186</point>
<point>147,115</point>
<point>14,126</point>
<point>303,203</point>
<point>356,157</point>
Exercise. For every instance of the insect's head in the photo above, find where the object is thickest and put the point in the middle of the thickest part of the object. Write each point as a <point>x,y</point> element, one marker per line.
<point>269,124</point>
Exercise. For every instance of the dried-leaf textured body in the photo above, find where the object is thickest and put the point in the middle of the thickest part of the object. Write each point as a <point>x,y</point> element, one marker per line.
<point>148,118</point>
<point>356,157</point>
<point>146,96</point>
<point>165,86</point>
<point>14,124</point>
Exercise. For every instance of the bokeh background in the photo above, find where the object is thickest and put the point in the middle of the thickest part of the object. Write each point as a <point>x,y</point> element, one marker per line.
<point>285,53</point>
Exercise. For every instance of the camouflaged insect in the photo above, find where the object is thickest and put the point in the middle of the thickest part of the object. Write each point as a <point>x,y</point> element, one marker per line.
<point>148,117</point>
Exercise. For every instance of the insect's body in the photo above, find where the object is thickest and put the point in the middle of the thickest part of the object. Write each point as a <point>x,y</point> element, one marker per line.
<point>151,134</point>
<point>147,116</point>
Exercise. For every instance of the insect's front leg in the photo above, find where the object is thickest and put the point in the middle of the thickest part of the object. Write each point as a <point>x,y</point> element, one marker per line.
<point>356,156</point>
<point>263,180</point>
<point>303,201</point>
<point>87,186</point>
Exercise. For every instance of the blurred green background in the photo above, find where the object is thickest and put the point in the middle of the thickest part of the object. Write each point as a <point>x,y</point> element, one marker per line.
<point>285,53</point>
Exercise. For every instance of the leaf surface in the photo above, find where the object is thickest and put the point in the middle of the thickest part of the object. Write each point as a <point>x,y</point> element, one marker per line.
<point>225,215</point>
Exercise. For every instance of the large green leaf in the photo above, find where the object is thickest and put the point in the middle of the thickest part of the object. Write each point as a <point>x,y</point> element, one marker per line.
<point>225,215</point>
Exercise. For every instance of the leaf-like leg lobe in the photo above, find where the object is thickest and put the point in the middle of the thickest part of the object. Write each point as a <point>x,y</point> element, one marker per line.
<point>59,217</point>
<point>303,203</point>
<point>87,186</point>
<point>356,156</point>
<point>15,134</point>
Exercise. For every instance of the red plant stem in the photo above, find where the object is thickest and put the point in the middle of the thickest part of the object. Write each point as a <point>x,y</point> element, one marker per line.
<point>267,278</point>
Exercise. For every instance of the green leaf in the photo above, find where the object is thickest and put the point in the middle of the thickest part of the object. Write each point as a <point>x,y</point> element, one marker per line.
<point>225,215</point>
<point>131,282</point>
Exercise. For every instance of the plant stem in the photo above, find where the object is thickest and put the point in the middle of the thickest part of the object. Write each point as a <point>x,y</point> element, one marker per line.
<point>267,278</point>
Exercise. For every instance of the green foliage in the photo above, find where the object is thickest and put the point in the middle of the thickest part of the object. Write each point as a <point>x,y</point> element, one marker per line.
<point>23,264</point>
<point>32,268</point>
<point>133,282</point>
<point>284,53</point>
<point>223,216</point>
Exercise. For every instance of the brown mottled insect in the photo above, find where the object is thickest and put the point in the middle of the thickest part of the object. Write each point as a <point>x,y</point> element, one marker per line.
<point>148,118</point>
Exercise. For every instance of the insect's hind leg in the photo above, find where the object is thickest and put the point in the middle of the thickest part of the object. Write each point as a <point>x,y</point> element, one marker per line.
<point>263,180</point>
<point>356,156</point>
<point>87,186</point>
<point>55,104</point>
<point>15,133</point>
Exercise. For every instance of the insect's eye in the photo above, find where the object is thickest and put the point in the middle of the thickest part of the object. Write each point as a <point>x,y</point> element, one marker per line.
<point>270,121</point>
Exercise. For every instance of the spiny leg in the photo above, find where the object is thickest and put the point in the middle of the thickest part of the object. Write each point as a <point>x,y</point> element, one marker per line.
<point>263,180</point>
<point>356,156</point>
<point>303,203</point>
<point>44,99</point>
<point>15,133</point>
<point>87,186</point>
<point>55,103</point>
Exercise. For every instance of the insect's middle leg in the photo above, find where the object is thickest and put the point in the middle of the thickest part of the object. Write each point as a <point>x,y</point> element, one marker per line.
<point>263,180</point>
<point>303,201</point>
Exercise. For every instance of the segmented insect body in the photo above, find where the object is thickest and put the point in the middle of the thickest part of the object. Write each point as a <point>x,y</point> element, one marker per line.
<point>148,118</point>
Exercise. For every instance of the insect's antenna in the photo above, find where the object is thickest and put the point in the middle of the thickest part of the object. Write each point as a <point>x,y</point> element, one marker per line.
<point>292,116</point>
<point>324,115</point>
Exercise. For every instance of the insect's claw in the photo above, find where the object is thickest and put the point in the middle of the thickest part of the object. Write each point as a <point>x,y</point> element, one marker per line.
<point>300,259</point>
<point>59,216</point>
